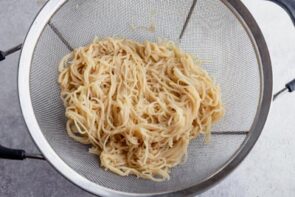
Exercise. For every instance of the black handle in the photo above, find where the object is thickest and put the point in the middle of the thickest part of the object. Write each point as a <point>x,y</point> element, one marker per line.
<point>288,5</point>
<point>3,54</point>
<point>7,153</point>
<point>289,87</point>
<point>17,154</point>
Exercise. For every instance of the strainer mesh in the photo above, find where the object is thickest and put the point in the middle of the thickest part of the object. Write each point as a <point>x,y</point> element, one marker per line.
<point>213,33</point>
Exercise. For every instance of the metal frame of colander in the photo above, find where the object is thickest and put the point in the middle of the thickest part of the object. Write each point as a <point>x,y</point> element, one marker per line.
<point>248,22</point>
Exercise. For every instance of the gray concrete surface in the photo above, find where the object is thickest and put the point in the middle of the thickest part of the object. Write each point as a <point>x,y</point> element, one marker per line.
<point>269,170</point>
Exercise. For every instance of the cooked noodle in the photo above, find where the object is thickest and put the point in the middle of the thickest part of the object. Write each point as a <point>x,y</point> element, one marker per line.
<point>137,104</point>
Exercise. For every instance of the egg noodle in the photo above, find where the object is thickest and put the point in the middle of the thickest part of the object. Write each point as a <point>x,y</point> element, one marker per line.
<point>137,105</point>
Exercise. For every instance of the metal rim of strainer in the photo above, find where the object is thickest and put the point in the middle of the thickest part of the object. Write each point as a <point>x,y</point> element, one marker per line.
<point>36,29</point>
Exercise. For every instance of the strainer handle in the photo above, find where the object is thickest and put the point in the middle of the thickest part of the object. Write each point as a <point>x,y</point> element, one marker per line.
<point>3,54</point>
<point>288,5</point>
<point>289,87</point>
<point>8,153</point>
<point>17,154</point>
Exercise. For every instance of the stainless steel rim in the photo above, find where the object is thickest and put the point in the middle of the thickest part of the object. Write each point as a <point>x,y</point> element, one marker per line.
<point>31,40</point>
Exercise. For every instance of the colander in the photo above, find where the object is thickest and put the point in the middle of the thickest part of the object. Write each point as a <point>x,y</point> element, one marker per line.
<point>221,32</point>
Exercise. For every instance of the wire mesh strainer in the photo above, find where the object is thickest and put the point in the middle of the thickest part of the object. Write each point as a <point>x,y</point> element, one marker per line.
<point>220,32</point>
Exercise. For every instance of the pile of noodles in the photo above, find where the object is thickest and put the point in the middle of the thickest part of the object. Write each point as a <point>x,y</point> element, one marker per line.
<point>137,105</point>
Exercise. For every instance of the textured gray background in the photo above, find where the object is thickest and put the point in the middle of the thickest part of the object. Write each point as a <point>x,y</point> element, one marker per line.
<point>268,171</point>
